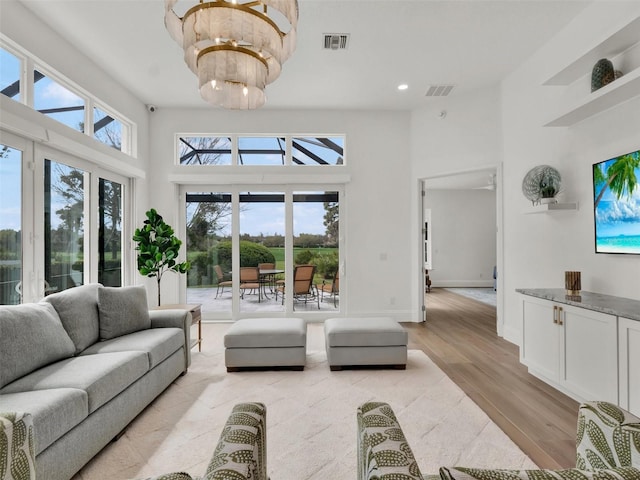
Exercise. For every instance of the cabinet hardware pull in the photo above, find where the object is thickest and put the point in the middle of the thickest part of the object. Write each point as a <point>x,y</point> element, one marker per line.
<point>555,314</point>
<point>560,316</point>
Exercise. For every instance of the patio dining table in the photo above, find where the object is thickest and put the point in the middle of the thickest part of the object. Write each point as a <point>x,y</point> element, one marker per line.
<point>267,276</point>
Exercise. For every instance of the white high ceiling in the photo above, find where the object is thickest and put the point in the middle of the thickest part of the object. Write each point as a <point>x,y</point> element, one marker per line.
<point>468,43</point>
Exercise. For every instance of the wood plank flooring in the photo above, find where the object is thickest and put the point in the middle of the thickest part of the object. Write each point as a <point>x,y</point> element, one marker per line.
<point>459,336</point>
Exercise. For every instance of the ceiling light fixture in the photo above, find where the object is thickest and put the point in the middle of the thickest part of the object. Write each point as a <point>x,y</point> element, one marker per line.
<point>403,86</point>
<point>235,47</point>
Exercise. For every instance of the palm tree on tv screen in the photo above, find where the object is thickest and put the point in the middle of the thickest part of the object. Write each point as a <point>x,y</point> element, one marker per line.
<point>619,176</point>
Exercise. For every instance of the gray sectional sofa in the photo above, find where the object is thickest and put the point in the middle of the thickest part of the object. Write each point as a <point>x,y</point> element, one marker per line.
<point>84,363</point>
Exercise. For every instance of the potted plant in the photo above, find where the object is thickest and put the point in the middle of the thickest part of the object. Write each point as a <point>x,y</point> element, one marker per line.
<point>548,184</point>
<point>158,249</point>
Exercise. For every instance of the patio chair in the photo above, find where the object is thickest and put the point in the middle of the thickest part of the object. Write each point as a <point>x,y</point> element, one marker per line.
<point>267,280</point>
<point>332,289</point>
<point>304,289</point>
<point>221,280</point>
<point>250,280</point>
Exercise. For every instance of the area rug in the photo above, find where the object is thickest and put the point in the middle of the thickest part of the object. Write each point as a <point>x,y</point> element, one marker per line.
<point>484,295</point>
<point>311,419</point>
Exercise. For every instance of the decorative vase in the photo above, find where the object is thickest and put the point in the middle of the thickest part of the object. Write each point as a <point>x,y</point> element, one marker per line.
<point>572,283</point>
<point>602,74</point>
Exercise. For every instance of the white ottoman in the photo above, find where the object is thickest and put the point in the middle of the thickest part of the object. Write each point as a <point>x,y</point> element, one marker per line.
<point>253,343</point>
<point>365,341</point>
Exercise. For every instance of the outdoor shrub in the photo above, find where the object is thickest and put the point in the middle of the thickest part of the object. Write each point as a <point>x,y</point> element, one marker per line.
<point>326,264</point>
<point>251,254</point>
<point>304,257</point>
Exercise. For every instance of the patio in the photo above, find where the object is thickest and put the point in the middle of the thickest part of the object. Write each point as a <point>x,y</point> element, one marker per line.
<point>210,304</point>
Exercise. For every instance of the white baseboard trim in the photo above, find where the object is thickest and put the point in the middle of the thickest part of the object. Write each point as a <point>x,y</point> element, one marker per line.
<point>462,283</point>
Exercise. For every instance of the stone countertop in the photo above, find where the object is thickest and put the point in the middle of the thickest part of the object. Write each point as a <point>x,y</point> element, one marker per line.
<point>619,306</point>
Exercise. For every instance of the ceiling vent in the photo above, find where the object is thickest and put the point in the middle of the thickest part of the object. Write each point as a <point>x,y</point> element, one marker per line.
<point>336,41</point>
<point>439,90</point>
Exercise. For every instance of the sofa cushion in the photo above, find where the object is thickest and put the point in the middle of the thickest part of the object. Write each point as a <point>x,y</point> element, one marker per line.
<point>157,343</point>
<point>122,310</point>
<point>78,311</point>
<point>102,376</point>
<point>54,412</point>
<point>461,473</point>
<point>31,336</point>
<point>17,452</point>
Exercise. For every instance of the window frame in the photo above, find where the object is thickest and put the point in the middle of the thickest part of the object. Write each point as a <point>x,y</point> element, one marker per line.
<point>30,63</point>
<point>235,150</point>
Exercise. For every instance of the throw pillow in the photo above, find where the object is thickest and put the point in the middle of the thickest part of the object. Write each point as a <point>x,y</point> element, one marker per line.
<point>122,310</point>
<point>31,336</point>
<point>461,473</point>
<point>78,311</point>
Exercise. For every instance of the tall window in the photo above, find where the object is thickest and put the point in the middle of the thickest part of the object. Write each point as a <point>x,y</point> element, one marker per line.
<point>10,225</point>
<point>110,233</point>
<point>63,226</point>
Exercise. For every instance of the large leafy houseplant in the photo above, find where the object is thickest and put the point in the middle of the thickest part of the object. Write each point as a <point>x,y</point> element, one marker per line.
<point>158,248</point>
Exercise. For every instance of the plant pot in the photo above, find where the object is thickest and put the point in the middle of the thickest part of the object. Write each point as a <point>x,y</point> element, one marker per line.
<point>547,200</point>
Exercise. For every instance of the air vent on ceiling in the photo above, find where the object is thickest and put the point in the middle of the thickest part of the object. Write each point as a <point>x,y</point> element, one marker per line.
<point>439,90</point>
<point>336,41</point>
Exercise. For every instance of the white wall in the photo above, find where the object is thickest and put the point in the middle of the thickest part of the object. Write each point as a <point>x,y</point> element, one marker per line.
<point>539,248</point>
<point>467,138</point>
<point>463,236</point>
<point>375,211</point>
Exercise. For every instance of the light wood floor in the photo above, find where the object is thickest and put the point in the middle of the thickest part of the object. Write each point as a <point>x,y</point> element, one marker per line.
<point>459,336</point>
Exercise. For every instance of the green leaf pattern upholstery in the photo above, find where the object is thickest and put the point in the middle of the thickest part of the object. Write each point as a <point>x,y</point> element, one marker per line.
<point>383,451</point>
<point>17,447</point>
<point>607,448</point>
<point>241,452</point>
<point>460,473</point>
<point>607,437</point>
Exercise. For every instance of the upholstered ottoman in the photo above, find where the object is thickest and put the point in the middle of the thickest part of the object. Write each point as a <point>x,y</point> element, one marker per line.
<point>365,341</point>
<point>253,343</point>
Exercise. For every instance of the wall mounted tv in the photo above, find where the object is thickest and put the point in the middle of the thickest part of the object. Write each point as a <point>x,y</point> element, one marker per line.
<point>616,204</point>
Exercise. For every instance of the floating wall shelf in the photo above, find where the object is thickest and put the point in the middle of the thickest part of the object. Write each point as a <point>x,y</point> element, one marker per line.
<point>551,207</point>
<point>626,38</point>
<point>615,93</point>
<point>614,45</point>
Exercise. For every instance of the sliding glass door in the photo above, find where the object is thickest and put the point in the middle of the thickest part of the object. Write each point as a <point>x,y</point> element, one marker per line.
<point>244,245</point>
<point>64,226</point>
<point>48,201</point>
<point>10,225</point>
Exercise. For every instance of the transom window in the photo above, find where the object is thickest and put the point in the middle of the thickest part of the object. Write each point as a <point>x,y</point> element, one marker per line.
<point>244,150</point>
<point>60,99</point>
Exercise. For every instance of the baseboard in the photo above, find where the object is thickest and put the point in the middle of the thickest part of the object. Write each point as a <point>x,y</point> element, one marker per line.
<point>462,283</point>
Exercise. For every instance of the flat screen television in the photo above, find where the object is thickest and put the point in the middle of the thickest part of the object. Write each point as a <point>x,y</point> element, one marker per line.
<point>616,204</point>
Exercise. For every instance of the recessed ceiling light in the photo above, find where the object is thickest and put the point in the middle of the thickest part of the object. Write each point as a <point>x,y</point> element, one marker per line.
<point>403,86</point>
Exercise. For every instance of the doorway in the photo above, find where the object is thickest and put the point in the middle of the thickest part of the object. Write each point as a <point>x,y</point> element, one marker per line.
<point>461,243</point>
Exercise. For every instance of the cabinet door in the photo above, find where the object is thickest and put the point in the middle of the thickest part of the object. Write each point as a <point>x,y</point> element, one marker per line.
<point>629,345</point>
<point>590,360</point>
<point>540,338</point>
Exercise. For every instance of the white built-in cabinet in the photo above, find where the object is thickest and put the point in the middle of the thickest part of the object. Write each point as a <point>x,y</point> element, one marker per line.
<point>629,363</point>
<point>571,348</point>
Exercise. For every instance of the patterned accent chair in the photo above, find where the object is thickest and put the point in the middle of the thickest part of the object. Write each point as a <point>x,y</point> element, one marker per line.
<point>608,448</point>
<point>241,452</point>
<point>17,447</point>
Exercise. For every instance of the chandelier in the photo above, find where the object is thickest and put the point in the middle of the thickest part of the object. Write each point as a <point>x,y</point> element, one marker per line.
<point>235,47</point>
